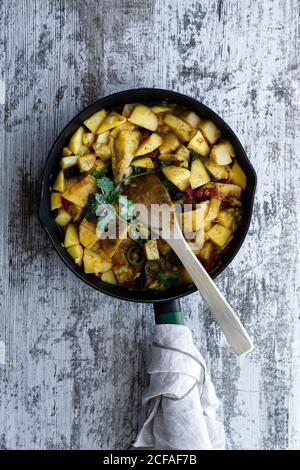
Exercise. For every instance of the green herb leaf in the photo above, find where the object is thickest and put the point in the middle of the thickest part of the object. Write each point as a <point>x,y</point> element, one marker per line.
<point>167,279</point>
<point>194,155</point>
<point>97,174</point>
<point>94,201</point>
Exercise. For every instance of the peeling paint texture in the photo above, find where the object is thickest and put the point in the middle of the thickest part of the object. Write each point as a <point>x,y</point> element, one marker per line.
<point>75,359</point>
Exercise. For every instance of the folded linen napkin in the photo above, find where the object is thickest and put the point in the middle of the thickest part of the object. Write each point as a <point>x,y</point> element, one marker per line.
<point>181,396</point>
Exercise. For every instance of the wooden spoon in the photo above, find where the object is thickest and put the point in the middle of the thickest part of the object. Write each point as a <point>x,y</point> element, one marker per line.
<point>149,190</point>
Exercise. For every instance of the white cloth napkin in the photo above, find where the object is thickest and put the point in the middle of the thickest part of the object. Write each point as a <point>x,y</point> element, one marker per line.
<point>182,398</point>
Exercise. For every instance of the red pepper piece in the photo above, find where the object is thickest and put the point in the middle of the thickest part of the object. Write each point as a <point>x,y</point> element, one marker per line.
<point>66,204</point>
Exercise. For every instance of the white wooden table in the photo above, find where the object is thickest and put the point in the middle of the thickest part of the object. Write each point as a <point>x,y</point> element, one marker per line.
<point>76,360</point>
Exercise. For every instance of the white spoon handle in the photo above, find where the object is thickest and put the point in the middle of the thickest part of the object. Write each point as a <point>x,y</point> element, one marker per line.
<point>224,315</point>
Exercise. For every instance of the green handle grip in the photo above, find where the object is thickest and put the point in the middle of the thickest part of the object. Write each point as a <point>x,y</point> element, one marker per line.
<point>168,312</point>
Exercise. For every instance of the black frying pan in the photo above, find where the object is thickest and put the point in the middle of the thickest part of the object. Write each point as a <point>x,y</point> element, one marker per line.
<point>166,301</point>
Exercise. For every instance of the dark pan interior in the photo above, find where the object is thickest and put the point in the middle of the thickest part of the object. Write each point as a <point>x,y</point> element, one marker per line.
<point>147,95</point>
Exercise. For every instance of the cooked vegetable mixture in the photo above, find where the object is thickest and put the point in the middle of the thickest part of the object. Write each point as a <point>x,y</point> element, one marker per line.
<point>112,149</point>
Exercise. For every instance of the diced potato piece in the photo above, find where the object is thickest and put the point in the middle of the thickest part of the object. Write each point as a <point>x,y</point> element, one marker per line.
<point>182,154</point>
<point>56,201</point>
<point>210,131</point>
<point>84,149</point>
<point>205,205</point>
<point>226,191</point>
<point>220,154</point>
<point>237,176</point>
<point>76,252</point>
<point>160,109</point>
<point>110,245</point>
<point>66,152</point>
<point>87,233</point>
<point>219,234</point>
<point>199,175</point>
<point>218,171</point>
<point>93,122</point>
<point>191,118</point>
<point>109,277</point>
<point>79,192</point>
<point>166,157</point>
<point>229,147</point>
<point>63,217</point>
<point>143,163</point>
<point>206,251</point>
<point>151,250</point>
<point>103,151</point>
<point>185,276</point>
<point>67,162</point>
<point>163,246</point>
<point>181,128</point>
<point>86,162</point>
<point>213,211</point>
<point>71,236</point>
<point>102,138</point>
<point>88,138</point>
<point>127,110</point>
<point>199,144</point>
<point>150,144</point>
<point>59,184</point>
<point>76,212</point>
<point>226,218</point>
<point>144,117</point>
<point>180,177</point>
<point>76,141</point>
<point>170,143</point>
<point>198,242</point>
<point>126,126</point>
<point>69,182</point>
<point>92,262</point>
<point>193,221</point>
<point>112,120</point>
<point>125,147</point>
<point>99,165</point>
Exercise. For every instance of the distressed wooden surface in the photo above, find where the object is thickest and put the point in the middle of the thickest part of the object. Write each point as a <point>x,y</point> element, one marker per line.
<point>76,360</point>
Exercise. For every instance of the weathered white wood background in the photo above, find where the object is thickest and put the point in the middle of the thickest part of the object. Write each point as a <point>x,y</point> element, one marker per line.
<point>76,360</point>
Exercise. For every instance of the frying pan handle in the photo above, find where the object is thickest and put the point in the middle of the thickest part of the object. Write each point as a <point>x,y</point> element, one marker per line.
<point>168,312</point>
